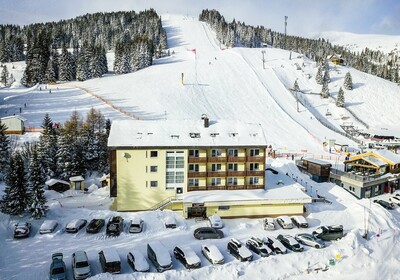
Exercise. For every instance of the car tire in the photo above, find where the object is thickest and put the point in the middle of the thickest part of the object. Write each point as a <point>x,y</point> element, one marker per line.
<point>317,246</point>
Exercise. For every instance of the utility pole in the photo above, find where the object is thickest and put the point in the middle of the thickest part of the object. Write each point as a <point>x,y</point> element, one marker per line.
<point>286,17</point>
<point>263,59</point>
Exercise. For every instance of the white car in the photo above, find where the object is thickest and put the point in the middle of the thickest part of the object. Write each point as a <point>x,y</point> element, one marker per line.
<point>212,254</point>
<point>80,265</point>
<point>285,222</point>
<point>216,221</point>
<point>300,221</point>
<point>269,224</point>
<point>170,222</point>
<point>187,257</point>
<point>136,225</point>
<point>309,240</point>
<point>275,245</point>
<point>137,261</point>
<point>75,225</point>
<point>48,226</point>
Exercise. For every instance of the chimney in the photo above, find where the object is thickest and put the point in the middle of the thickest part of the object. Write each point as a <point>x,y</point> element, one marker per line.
<point>206,120</point>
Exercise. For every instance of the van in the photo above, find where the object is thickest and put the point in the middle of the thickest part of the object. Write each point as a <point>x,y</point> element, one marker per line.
<point>110,261</point>
<point>159,256</point>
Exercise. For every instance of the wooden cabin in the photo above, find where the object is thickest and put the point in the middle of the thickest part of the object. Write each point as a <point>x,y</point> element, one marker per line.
<point>318,170</point>
<point>57,185</point>
<point>14,124</point>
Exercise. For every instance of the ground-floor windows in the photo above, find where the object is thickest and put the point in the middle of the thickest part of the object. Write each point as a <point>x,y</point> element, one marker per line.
<point>224,207</point>
<point>215,181</point>
<point>232,181</point>
<point>153,184</point>
<point>253,180</point>
<point>193,182</point>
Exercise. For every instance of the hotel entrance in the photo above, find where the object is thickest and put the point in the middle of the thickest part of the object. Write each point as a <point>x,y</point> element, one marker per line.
<point>197,210</point>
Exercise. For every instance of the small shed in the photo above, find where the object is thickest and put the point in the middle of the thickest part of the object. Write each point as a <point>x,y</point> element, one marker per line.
<point>318,170</point>
<point>57,185</point>
<point>14,124</point>
<point>77,183</point>
<point>105,180</point>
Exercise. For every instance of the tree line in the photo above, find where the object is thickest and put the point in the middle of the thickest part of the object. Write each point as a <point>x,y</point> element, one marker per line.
<point>77,147</point>
<point>238,34</point>
<point>76,48</point>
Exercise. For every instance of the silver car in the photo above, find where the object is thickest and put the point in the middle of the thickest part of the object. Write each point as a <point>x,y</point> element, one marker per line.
<point>80,265</point>
<point>309,240</point>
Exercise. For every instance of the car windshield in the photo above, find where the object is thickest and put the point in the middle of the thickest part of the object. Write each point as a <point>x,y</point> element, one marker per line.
<point>57,270</point>
<point>82,264</point>
<point>135,226</point>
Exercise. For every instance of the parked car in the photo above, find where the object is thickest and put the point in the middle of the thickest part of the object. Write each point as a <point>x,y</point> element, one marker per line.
<point>48,226</point>
<point>212,254</point>
<point>208,233</point>
<point>75,225</point>
<point>216,221</point>
<point>239,251</point>
<point>187,257</point>
<point>269,224</point>
<point>397,199</point>
<point>95,225</point>
<point>329,232</point>
<point>22,230</point>
<point>170,222</point>
<point>159,256</point>
<point>257,246</point>
<point>299,221</point>
<point>110,261</point>
<point>137,261</point>
<point>309,240</point>
<point>289,242</point>
<point>58,270</point>
<point>385,204</point>
<point>115,226</point>
<point>275,245</point>
<point>80,265</point>
<point>136,225</point>
<point>285,222</point>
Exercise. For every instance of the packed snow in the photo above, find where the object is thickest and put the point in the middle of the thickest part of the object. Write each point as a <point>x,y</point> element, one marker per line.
<point>224,84</point>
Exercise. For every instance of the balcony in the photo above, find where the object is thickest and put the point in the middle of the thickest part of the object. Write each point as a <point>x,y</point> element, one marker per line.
<point>255,187</point>
<point>197,159</point>
<point>256,159</point>
<point>216,174</point>
<point>196,188</point>
<point>236,173</point>
<point>236,187</point>
<point>223,187</point>
<point>255,173</point>
<point>213,188</point>
<point>236,159</point>
<point>216,159</point>
<point>194,174</point>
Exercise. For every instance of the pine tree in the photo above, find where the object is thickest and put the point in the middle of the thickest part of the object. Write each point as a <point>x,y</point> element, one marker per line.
<point>66,66</point>
<point>50,75</point>
<point>36,180</point>
<point>15,199</point>
<point>64,155</point>
<point>319,77</point>
<point>47,148</point>
<point>325,90</point>
<point>348,81</point>
<point>326,76</point>
<point>4,150</point>
<point>4,76</point>
<point>340,98</point>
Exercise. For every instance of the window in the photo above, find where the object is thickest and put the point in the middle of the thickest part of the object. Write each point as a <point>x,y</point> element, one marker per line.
<point>232,167</point>
<point>175,166</point>
<point>194,153</point>
<point>153,184</point>
<point>216,167</point>
<point>194,167</point>
<point>254,166</point>
<point>170,177</point>
<point>232,181</point>
<point>154,168</point>
<point>254,152</point>
<point>224,207</point>
<point>153,153</point>
<point>193,182</point>
<point>253,181</point>
<point>215,181</point>
<point>216,153</point>
<point>232,152</point>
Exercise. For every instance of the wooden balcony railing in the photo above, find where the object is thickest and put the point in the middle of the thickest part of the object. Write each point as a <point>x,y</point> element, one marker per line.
<point>236,187</point>
<point>254,187</point>
<point>223,187</point>
<point>235,173</point>
<point>197,159</point>
<point>212,188</point>
<point>255,173</point>
<point>196,188</point>
<point>256,159</point>
<point>216,174</point>
<point>194,174</point>
<point>216,159</point>
<point>236,159</point>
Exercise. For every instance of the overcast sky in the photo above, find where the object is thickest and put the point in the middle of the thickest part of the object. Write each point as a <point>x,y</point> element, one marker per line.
<point>305,17</point>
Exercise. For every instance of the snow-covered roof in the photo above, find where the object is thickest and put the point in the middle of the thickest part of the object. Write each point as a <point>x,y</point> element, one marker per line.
<point>14,117</point>
<point>184,133</point>
<point>74,223</point>
<point>52,182</point>
<point>163,256</point>
<point>141,263</point>
<point>215,252</point>
<point>191,256</point>
<point>395,158</point>
<point>375,161</point>
<point>76,178</point>
<point>317,161</point>
<point>48,224</point>
<point>111,255</point>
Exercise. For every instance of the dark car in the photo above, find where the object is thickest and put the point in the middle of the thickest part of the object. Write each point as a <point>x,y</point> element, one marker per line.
<point>115,226</point>
<point>22,230</point>
<point>58,270</point>
<point>290,242</point>
<point>95,225</point>
<point>385,204</point>
<point>329,232</point>
<point>239,251</point>
<point>257,246</point>
<point>187,257</point>
<point>208,233</point>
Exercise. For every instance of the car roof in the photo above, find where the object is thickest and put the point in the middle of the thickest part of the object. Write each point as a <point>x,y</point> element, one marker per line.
<point>80,256</point>
<point>136,220</point>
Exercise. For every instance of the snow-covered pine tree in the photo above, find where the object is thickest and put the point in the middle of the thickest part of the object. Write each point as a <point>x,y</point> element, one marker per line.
<point>47,148</point>
<point>15,199</point>
<point>4,150</point>
<point>4,76</point>
<point>318,78</point>
<point>348,81</point>
<point>50,75</point>
<point>36,180</point>
<point>340,98</point>
<point>325,90</point>
<point>296,86</point>
<point>64,155</point>
<point>66,66</point>
<point>326,76</point>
